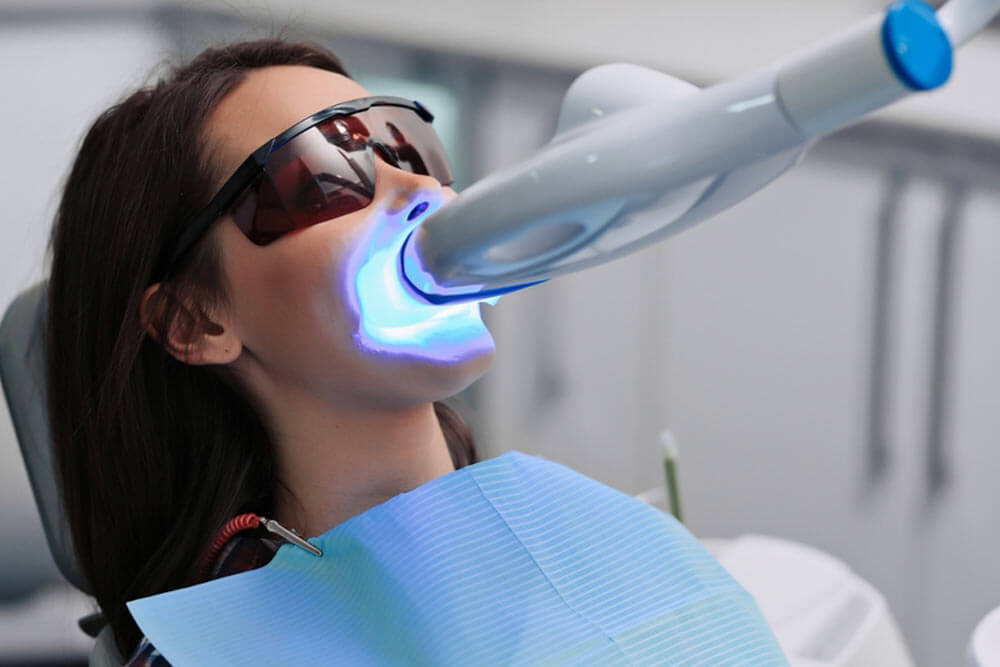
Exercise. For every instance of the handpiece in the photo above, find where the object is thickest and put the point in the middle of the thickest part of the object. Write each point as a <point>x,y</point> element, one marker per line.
<point>639,155</point>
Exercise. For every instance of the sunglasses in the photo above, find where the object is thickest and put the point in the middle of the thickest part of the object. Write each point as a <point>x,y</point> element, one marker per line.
<point>321,168</point>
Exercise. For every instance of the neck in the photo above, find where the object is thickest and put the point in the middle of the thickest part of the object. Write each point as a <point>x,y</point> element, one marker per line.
<point>338,464</point>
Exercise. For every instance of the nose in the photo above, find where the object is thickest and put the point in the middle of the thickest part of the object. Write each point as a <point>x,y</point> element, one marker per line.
<point>405,193</point>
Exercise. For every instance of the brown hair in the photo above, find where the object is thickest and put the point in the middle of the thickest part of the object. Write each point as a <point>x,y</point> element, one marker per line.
<point>154,455</point>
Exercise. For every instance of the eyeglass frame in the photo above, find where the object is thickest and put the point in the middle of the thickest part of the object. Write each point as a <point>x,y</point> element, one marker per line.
<point>254,165</point>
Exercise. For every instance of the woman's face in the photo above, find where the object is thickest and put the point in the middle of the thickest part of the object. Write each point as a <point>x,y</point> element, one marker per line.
<point>317,311</point>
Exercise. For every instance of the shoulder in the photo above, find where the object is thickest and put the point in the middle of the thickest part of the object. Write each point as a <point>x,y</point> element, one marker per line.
<point>243,552</point>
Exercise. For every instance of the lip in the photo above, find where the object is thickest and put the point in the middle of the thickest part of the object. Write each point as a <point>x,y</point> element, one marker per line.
<point>391,315</point>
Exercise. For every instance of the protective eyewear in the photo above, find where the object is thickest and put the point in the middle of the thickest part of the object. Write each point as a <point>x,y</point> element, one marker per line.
<point>321,168</point>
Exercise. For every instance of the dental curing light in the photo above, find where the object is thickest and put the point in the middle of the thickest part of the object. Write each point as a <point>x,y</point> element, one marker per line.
<point>639,155</point>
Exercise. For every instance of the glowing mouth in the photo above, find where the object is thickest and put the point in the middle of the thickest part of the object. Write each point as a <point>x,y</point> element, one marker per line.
<point>391,314</point>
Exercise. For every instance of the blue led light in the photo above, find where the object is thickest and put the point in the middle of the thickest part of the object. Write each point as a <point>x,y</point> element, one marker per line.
<point>394,318</point>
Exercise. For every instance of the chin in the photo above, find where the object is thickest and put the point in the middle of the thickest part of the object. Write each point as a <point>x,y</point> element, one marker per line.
<point>454,379</point>
<point>420,379</point>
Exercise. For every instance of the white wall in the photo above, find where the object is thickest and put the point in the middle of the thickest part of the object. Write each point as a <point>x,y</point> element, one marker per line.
<point>704,41</point>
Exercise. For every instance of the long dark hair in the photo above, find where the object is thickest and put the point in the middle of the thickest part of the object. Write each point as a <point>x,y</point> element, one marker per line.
<point>154,455</point>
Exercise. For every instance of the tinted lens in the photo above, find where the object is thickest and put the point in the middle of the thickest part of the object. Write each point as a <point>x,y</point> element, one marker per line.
<point>412,140</point>
<point>321,174</point>
<point>329,170</point>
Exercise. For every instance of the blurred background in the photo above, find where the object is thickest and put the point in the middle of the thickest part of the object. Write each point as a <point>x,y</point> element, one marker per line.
<point>825,352</point>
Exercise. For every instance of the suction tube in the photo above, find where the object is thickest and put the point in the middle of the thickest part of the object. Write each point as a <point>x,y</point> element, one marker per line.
<point>639,155</point>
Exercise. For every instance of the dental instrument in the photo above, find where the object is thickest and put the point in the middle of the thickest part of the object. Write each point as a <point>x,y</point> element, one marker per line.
<point>668,445</point>
<point>639,155</point>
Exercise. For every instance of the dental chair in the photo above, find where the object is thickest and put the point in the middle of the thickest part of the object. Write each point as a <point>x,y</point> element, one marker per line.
<point>22,372</point>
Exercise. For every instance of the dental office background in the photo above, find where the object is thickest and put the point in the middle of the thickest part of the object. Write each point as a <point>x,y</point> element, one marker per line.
<point>825,353</point>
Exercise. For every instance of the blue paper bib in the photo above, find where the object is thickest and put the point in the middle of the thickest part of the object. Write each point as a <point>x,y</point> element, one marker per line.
<point>514,560</point>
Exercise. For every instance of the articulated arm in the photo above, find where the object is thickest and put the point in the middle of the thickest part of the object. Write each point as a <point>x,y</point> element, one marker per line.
<point>639,155</point>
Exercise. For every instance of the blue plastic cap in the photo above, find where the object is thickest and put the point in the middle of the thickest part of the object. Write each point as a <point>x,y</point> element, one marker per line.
<point>916,46</point>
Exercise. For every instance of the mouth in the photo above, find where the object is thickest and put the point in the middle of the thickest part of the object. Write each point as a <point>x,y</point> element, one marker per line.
<point>391,313</point>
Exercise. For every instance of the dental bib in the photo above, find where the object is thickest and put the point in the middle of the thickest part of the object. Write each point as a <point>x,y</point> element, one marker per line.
<point>514,560</point>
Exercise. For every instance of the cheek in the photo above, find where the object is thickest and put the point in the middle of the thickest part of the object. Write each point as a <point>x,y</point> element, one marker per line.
<point>400,380</point>
<point>291,297</point>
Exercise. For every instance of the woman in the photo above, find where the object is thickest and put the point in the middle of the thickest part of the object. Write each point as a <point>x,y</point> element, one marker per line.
<point>229,339</point>
<point>241,368</point>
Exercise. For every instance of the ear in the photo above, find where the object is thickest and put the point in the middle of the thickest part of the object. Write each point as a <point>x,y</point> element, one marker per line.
<point>190,336</point>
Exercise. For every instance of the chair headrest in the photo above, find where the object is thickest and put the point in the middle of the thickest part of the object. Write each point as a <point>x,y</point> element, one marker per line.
<point>22,370</point>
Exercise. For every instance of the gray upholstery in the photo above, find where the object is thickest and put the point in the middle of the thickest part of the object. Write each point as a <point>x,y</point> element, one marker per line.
<point>22,370</point>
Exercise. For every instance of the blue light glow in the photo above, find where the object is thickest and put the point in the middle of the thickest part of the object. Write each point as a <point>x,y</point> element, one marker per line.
<point>394,318</point>
<point>416,276</point>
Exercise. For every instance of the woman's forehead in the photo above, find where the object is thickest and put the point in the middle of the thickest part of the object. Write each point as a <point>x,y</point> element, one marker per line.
<point>269,101</point>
